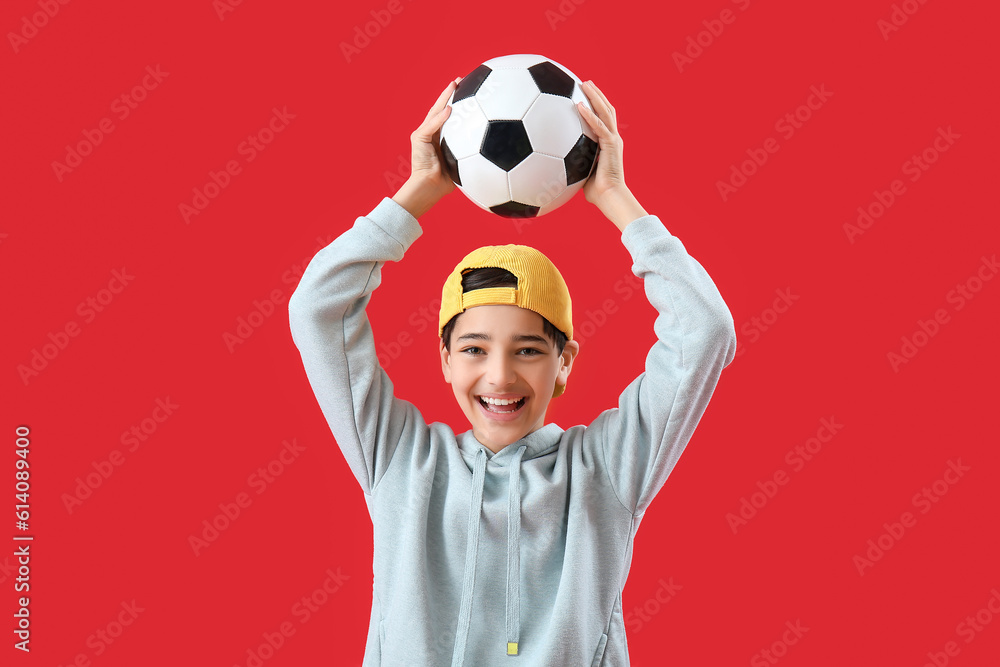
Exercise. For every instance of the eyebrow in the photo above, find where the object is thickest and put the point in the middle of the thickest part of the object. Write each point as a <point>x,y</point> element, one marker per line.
<point>517,338</point>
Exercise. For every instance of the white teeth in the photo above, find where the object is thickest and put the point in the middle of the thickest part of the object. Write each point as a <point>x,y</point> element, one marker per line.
<point>498,401</point>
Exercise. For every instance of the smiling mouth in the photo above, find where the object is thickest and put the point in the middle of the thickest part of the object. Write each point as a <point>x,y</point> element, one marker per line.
<point>502,406</point>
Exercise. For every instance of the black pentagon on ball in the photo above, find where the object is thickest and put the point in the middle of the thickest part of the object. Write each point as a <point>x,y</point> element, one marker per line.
<point>469,86</point>
<point>580,159</point>
<point>506,143</point>
<point>552,80</point>
<point>513,209</point>
<point>450,163</point>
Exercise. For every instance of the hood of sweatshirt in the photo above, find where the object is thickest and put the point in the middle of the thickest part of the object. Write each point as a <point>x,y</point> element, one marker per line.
<point>533,445</point>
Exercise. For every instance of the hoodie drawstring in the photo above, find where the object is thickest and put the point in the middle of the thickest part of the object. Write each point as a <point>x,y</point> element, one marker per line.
<point>472,553</point>
<point>514,552</point>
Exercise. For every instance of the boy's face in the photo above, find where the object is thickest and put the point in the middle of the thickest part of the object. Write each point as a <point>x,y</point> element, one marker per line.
<point>502,353</point>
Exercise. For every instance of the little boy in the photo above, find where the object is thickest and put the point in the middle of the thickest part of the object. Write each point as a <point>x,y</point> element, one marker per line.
<point>509,544</point>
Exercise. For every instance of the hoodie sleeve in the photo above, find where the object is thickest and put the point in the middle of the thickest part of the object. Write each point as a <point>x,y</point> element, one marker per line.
<point>334,337</point>
<point>657,413</point>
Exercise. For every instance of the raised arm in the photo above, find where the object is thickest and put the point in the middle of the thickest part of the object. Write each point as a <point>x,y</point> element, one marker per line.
<point>657,413</point>
<point>329,326</point>
<point>331,330</point>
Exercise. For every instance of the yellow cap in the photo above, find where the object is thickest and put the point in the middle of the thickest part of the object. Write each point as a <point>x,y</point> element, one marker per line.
<point>540,288</point>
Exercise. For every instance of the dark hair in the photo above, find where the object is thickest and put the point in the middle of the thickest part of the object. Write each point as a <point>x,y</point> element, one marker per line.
<point>493,277</point>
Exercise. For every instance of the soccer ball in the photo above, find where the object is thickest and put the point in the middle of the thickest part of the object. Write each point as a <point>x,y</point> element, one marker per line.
<point>515,143</point>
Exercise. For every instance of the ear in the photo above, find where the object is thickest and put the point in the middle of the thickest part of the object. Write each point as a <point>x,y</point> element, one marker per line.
<point>566,361</point>
<point>445,361</point>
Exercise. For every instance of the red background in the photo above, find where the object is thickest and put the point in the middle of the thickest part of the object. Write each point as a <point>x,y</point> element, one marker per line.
<point>163,335</point>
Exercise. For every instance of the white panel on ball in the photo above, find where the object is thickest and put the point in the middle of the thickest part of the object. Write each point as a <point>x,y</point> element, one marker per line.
<point>566,195</point>
<point>518,92</point>
<point>467,127</point>
<point>547,128</point>
<point>580,96</point>
<point>537,180</point>
<point>483,182</point>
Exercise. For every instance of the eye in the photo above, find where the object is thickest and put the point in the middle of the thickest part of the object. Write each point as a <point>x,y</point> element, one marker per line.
<point>473,350</point>
<point>529,352</point>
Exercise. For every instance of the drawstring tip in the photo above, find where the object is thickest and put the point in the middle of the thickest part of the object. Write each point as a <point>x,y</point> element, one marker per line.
<point>511,648</point>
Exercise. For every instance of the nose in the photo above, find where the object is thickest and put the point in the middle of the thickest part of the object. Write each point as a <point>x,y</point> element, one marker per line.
<point>500,371</point>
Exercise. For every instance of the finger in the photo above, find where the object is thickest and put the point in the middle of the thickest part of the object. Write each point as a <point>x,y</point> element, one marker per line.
<point>601,105</point>
<point>442,99</point>
<point>600,94</point>
<point>435,122</point>
<point>428,131</point>
<point>593,120</point>
<point>437,115</point>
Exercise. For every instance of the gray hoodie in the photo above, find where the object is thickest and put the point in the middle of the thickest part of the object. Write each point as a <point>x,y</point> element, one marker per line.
<point>475,551</point>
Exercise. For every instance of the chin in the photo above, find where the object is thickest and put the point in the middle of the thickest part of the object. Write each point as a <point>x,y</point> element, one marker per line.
<point>497,438</point>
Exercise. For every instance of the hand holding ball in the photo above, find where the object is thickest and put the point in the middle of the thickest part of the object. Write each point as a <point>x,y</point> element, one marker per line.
<point>515,143</point>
